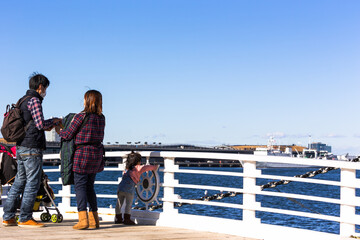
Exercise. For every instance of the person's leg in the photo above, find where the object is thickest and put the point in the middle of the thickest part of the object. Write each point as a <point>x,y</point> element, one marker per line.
<point>119,204</point>
<point>32,160</point>
<point>129,200</point>
<point>80,182</point>
<point>80,185</point>
<point>16,189</point>
<point>90,193</point>
<point>129,197</point>
<point>91,197</point>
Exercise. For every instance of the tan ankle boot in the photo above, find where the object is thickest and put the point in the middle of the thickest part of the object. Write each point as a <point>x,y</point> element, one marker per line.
<point>94,220</point>
<point>83,221</point>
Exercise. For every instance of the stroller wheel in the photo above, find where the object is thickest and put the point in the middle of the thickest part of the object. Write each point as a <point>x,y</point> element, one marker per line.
<point>45,217</point>
<point>60,218</point>
<point>56,218</point>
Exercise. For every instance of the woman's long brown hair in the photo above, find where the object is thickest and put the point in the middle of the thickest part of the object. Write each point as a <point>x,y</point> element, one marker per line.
<point>93,102</point>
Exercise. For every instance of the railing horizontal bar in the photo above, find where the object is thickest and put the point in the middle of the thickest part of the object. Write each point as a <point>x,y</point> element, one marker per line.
<point>355,184</point>
<point>299,196</point>
<point>219,173</point>
<point>297,179</point>
<point>294,179</point>
<point>205,187</point>
<point>106,196</point>
<point>107,182</point>
<point>96,182</point>
<point>218,204</point>
<point>114,169</point>
<point>51,156</point>
<point>51,170</point>
<point>105,169</point>
<point>55,182</point>
<point>64,195</point>
<point>97,195</point>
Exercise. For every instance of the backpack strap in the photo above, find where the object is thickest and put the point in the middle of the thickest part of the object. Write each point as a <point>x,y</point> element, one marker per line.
<point>28,125</point>
<point>86,118</point>
<point>18,104</point>
<point>21,100</point>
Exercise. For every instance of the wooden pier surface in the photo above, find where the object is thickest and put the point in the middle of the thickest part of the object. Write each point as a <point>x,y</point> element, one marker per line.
<point>108,230</point>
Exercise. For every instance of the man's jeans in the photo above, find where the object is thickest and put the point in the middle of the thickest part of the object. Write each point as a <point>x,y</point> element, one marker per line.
<point>27,183</point>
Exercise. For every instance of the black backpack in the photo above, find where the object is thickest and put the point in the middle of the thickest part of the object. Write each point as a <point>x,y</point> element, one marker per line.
<point>13,128</point>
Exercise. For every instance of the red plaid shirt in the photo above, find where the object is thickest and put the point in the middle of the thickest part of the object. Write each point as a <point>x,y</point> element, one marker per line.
<point>87,158</point>
<point>35,108</point>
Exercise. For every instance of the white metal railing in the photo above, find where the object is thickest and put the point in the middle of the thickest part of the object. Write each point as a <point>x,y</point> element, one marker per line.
<point>348,184</point>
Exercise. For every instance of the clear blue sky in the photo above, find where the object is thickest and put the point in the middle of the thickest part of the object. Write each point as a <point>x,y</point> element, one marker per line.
<point>194,72</point>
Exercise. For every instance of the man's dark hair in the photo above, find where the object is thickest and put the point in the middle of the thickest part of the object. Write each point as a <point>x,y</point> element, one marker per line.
<point>36,79</point>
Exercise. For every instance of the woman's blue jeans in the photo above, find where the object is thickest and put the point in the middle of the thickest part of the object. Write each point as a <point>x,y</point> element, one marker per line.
<point>27,183</point>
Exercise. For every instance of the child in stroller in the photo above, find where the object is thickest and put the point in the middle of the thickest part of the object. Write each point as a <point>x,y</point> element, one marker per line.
<point>45,195</point>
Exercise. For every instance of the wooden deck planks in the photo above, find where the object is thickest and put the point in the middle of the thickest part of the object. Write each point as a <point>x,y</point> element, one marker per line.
<point>108,231</point>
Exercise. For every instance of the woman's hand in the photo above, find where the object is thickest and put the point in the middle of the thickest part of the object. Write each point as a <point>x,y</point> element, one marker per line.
<point>58,129</point>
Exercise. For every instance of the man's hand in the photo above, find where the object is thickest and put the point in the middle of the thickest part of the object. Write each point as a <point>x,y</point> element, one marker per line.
<point>58,122</point>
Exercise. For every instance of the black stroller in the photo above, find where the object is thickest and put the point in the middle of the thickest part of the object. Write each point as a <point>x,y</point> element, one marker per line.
<point>45,196</point>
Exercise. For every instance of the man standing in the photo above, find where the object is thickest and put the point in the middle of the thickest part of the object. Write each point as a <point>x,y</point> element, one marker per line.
<point>29,155</point>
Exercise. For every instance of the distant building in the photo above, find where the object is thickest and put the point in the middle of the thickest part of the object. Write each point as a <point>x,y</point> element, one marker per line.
<point>52,136</point>
<point>318,146</point>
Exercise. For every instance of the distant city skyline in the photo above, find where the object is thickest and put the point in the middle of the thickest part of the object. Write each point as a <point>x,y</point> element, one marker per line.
<point>52,136</point>
<point>193,72</point>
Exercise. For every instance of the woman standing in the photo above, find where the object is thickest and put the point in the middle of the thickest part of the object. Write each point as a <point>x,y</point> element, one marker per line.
<point>87,127</point>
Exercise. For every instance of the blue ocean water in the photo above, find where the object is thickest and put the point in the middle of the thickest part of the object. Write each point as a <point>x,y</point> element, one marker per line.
<point>236,182</point>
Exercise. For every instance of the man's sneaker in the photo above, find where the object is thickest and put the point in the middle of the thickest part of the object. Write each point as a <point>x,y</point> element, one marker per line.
<point>9,223</point>
<point>30,224</point>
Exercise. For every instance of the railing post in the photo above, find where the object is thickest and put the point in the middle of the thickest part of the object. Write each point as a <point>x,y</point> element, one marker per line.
<point>65,192</point>
<point>347,194</point>
<point>249,199</point>
<point>169,179</point>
